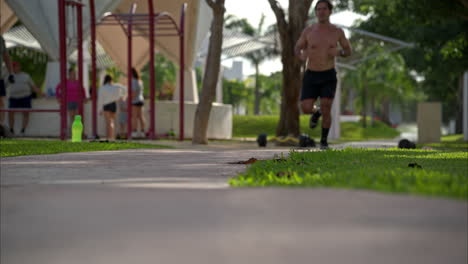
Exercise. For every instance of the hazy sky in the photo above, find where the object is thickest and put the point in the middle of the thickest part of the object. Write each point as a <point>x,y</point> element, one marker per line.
<point>253,9</point>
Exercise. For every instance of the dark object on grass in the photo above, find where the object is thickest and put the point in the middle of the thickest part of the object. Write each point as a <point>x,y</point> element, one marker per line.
<point>283,174</point>
<point>262,140</point>
<point>99,141</point>
<point>305,141</point>
<point>414,165</point>
<point>249,161</point>
<point>5,132</point>
<point>406,144</point>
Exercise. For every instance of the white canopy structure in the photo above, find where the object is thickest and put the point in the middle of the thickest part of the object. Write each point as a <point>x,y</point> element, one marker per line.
<point>40,17</point>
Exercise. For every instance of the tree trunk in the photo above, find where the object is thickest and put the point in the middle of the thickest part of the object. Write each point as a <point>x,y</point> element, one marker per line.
<point>229,92</point>
<point>364,104</point>
<point>210,79</point>
<point>372,111</point>
<point>289,34</point>
<point>257,92</point>
<point>386,112</point>
<point>459,114</point>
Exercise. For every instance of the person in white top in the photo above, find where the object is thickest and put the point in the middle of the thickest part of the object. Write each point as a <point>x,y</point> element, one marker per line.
<point>138,117</point>
<point>109,95</point>
<point>20,96</point>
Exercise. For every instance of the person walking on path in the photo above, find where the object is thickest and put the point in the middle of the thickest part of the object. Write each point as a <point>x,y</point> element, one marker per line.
<point>318,44</point>
<point>20,96</point>
<point>138,117</point>
<point>4,56</point>
<point>109,95</point>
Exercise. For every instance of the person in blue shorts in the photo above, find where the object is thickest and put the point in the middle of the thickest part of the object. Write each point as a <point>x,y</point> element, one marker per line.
<point>20,96</point>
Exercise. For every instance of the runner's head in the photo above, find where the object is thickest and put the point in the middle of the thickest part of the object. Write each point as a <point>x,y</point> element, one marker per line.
<point>323,10</point>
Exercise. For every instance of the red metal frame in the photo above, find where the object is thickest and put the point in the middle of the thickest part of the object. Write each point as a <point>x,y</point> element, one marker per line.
<point>93,67</point>
<point>153,20</point>
<point>80,59</point>
<point>28,110</point>
<point>63,67</point>
<point>150,23</point>
<point>63,59</point>
<point>129,73</point>
<point>181,73</point>
<point>152,131</point>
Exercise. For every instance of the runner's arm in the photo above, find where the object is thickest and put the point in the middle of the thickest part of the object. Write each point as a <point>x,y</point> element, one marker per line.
<point>345,45</point>
<point>301,44</point>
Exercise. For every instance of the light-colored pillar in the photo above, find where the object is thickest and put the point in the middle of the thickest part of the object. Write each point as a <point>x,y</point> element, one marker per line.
<point>429,119</point>
<point>465,105</point>
<point>219,86</point>
<point>52,77</point>
<point>86,62</point>
<point>335,129</point>
<point>190,89</point>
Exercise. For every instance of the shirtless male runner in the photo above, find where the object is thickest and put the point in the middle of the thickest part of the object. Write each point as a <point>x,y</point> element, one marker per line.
<point>318,45</point>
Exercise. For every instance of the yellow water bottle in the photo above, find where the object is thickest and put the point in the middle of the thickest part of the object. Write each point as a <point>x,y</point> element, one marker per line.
<point>77,129</point>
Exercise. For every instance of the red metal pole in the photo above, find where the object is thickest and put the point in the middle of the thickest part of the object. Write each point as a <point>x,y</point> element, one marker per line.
<point>181,69</point>
<point>79,17</point>
<point>152,131</point>
<point>93,66</point>
<point>129,73</point>
<point>63,68</point>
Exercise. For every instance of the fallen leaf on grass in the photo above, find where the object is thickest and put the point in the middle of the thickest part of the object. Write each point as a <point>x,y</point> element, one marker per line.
<point>414,165</point>
<point>280,160</point>
<point>283,174</point>
<point>249,161</point>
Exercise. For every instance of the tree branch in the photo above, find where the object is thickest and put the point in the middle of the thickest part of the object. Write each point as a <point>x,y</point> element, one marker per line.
<point>464,3</point>
<point>216,6</point>
<point>211,3</point>
<point>279,13</point>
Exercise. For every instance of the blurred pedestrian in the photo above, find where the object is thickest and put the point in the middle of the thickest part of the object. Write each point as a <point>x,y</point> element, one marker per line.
<point>138,117</point>
<point>20,96</point>
<point>75,97</point>
<point>108,97</point>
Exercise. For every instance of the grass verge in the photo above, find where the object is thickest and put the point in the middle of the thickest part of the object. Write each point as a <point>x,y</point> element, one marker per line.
<point>252,126</point>
<point>16,147</point>
<point>442,174</point>
<point>449,143</point>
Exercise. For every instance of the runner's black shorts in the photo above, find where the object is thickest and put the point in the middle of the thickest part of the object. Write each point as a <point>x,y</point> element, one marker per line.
<point>319,84</point>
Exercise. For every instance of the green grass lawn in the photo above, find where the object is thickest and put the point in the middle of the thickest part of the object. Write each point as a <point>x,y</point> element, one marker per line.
<point>252,126</point>
<point>16,147</point>
<point>449,143</point>
<point>441,174</point>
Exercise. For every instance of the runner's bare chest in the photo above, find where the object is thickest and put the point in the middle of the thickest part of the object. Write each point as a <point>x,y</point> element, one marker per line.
<point>320,40</point>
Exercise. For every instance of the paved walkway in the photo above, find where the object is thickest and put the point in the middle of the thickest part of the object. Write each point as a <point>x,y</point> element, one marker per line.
<point>174,206</point>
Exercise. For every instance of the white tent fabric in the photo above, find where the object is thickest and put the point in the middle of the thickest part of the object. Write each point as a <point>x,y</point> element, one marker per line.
<point>41,19</point>
<point>197,18</point>
<point>7,17</point>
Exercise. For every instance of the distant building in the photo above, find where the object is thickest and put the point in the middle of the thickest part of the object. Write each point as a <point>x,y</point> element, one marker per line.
<point>236,72</point>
